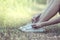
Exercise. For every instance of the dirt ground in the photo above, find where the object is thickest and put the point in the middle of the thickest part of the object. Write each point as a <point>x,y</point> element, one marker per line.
<point>15,34</point>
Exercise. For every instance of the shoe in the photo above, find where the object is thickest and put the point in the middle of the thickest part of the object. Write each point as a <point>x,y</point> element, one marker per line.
<point>28,28</point>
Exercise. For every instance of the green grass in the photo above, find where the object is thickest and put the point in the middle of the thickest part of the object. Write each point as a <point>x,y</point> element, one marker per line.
<point>14,13</point>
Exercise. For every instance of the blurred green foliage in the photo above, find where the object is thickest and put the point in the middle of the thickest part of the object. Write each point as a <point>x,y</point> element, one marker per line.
<point>14,13</point>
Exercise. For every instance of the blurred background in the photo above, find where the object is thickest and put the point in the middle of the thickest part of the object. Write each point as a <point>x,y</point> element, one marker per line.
<point>15,13</point>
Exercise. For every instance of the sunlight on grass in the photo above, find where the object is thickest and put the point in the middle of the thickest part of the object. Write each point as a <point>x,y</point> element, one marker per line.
<point>14,13</point>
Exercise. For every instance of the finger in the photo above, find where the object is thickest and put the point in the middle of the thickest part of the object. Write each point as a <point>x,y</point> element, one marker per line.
<point>36,18</point>
<point>33,20</point>
<point>34,26</point>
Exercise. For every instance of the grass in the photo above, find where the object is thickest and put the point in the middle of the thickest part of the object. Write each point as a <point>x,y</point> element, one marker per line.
<point>15,34</point>
<point>14,13</point>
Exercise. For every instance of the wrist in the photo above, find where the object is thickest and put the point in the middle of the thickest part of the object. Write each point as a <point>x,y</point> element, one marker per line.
<point>45,23</point>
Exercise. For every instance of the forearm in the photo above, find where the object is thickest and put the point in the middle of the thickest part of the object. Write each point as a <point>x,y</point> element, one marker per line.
<point>50,11</point>
<point>52,21</point>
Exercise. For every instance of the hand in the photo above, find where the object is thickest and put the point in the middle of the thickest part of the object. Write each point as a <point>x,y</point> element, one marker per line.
<point>35,18</point>
<point>38,25</point>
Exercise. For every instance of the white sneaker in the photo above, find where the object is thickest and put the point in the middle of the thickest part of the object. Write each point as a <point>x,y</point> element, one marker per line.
<point>28,28</point>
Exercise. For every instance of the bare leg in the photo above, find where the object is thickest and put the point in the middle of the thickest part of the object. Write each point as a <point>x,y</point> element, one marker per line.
<point>37,16</point>
<point>50,11</point>
<point>53,20</point>
<point>48,1</point>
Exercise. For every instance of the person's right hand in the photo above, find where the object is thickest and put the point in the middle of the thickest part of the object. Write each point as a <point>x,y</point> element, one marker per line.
<point>36,18</point>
